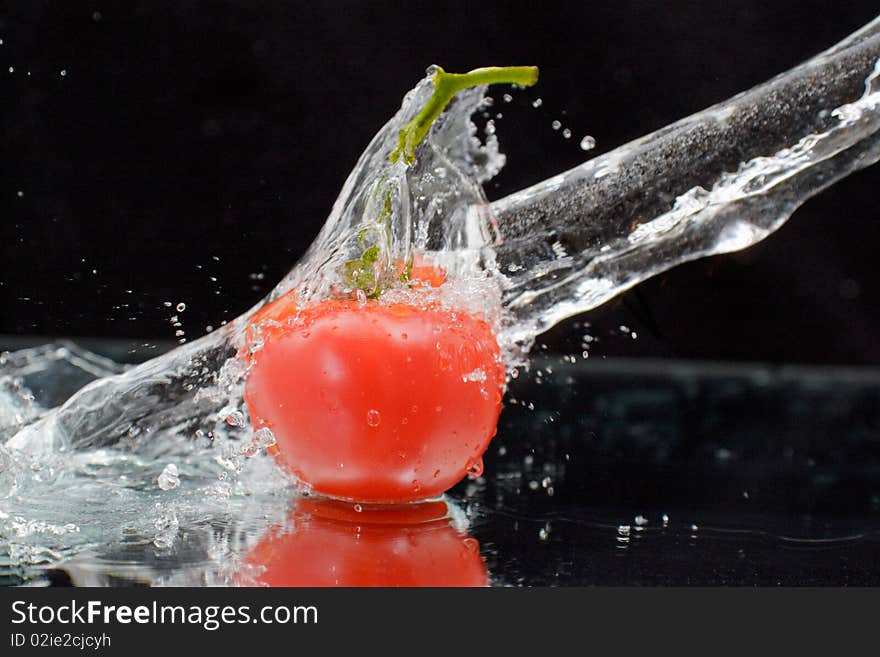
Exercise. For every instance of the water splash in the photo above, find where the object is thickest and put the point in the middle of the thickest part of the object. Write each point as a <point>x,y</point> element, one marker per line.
<point>81,470</point>
<point>715,182</point>
<point>144,455</point>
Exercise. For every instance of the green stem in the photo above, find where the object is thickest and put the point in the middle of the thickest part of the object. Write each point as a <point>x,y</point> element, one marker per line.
<point>446,85</point>
<point>361,273</point>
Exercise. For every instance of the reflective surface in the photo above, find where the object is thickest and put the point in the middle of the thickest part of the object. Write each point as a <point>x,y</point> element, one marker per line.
<point>646,473</point>
<point>603,472</point>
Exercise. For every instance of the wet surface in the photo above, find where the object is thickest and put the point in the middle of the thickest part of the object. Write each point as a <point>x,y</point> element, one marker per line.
<point>603,472</point>
<point>652,472</point>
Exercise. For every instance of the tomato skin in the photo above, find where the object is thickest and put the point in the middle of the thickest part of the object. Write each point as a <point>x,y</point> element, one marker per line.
<point>378,402</point>
<point>422,271</point>
<point>329,547</point>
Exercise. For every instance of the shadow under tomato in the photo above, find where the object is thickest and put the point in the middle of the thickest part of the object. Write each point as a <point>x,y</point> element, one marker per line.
<point>331,543</point>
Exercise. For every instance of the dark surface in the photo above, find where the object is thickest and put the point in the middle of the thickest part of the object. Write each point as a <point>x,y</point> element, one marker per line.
<point>190,141</point>
<point>646,472</point>
<point>766,476</point>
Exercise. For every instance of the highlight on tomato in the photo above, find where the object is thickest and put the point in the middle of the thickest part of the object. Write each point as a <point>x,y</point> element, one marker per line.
<point>340,544</point>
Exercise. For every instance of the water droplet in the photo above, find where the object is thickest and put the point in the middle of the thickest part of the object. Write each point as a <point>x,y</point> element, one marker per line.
<point>537,103</point>
<point>264,438</point>
<point>566,133</point>
<point>556,125</point>
<point>588,143</point>
<point>235,419</point>
<point>478,375</point>
<point>507,98</point>
<point>63,72</point>
<point>640,521</point>
<point>167,526</point>
<point>475,469</point>
<point>374,417</point>
<point>180,307</point>
<point>169,478</point>
<point>361,298</point>
<point>358,508</point>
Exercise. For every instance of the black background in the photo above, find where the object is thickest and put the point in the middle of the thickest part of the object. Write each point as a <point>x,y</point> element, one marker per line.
<point>193,141</point>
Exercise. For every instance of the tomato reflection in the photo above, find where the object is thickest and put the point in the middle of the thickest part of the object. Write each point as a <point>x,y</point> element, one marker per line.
<point>331,543</point>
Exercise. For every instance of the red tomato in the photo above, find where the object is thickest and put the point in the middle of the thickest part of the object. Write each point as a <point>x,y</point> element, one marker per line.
<point>331,545</point>
<point>378,402</point>
<point>423,271</point>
